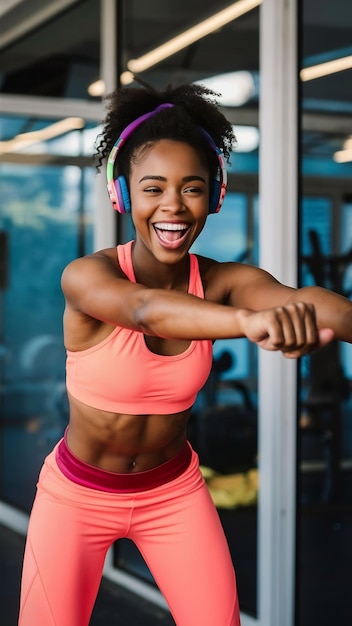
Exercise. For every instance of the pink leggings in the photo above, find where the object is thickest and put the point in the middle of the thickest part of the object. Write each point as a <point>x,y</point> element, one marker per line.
<point>174,525</point>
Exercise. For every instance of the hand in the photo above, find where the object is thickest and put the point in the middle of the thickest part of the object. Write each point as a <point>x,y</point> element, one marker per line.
<point>292,329</point>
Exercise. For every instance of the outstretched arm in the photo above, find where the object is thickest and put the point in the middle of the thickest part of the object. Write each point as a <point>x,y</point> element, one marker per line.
<point>96,290</point>
<point>256,289</point>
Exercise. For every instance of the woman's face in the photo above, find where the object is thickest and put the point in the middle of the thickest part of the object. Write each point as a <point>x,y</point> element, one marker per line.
<point>169,189</point>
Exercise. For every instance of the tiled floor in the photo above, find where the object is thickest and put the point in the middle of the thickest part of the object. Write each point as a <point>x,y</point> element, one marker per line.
<point>114,607</point>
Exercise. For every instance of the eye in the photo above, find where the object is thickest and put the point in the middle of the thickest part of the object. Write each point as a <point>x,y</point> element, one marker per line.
<point>194,190</point>
<point>152,190</point>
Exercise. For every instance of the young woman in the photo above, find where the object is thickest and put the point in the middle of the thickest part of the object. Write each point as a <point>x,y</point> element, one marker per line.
<point>139,325</point>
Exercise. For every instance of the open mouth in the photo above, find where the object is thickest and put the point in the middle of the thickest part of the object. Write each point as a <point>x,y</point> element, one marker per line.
<point>169,233</point>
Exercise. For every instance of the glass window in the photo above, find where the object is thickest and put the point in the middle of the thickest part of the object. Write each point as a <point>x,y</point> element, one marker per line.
<point>46,220</point>
<point>325,427</point>
<point>316,237</point>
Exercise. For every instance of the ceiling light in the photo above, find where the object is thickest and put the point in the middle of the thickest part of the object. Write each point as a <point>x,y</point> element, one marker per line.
<point>235,88</point>
<point>126,78</point>
<point>247,138</point>
<point>324,69</point>
<point>191,35</point>
<point>97,89</point>
<point>343,156</point>
<point>24,140</point>
<point>347,144</point>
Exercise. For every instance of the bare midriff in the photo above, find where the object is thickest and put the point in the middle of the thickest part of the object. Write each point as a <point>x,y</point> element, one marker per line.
<point>124,443</point>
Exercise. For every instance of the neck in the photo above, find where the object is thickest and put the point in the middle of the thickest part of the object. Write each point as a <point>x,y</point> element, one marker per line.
<point>155,274</point>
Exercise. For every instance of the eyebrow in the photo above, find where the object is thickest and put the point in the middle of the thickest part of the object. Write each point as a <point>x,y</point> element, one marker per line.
<point>185,179</point>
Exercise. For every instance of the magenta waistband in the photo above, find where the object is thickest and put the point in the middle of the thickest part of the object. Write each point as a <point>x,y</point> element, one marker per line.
<point>87,475</point>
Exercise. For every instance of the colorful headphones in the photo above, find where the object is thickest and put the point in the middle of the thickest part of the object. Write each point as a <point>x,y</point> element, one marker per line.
<point>118,188</point>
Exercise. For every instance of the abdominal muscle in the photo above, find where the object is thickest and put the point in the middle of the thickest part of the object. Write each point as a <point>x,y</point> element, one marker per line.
<point>124,443</point>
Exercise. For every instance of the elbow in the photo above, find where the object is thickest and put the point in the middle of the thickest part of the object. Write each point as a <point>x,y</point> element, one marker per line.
<point>145,313</point>
<point>140,319</point>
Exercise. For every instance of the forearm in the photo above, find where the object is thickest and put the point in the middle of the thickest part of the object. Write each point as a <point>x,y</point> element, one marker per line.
<point>171,314</point>
<point>332,310</point>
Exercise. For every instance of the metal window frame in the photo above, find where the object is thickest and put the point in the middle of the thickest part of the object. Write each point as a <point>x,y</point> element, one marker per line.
<point>278,219</point>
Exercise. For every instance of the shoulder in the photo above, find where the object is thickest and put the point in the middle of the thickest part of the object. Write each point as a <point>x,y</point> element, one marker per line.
<point>106,258</point>
<point>90,269</point>
<point>92,286</point>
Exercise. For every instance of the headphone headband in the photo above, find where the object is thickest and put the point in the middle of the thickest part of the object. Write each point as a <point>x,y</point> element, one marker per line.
<point>118,188</point>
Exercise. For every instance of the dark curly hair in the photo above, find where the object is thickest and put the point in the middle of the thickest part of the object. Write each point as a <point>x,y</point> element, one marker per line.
<point>194,106</point>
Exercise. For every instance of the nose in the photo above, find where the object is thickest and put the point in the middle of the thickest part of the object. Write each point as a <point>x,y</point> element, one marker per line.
<point>172,201</point>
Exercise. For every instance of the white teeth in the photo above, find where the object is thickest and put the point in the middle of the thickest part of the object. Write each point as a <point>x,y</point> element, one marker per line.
<point>168,226</point>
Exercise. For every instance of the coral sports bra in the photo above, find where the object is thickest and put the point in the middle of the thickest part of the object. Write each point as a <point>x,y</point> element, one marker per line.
<point>121,374</point>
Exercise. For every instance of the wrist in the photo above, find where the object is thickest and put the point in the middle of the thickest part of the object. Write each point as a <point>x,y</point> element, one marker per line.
<point>242,316</point>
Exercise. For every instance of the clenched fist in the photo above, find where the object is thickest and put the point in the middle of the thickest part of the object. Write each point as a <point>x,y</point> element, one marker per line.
<point>292,329</point>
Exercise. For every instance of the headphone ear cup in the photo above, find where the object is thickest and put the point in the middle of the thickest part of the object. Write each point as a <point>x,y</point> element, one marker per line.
<point>123,195</point>
<point>215,196</point>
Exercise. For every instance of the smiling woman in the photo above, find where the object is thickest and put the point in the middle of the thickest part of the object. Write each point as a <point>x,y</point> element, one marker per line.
<point>54,208</point>
<point>139,326</point>
<point>182,199</point>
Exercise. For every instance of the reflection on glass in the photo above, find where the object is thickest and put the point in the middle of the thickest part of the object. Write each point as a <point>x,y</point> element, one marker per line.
<point>27,135</point>
<point>235,88</point>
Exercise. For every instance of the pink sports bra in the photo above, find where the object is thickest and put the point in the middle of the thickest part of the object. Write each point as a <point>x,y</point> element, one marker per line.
<point>122,375</point>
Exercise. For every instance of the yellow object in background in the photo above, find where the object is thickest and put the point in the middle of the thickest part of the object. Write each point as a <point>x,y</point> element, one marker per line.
<point>232,490</point>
